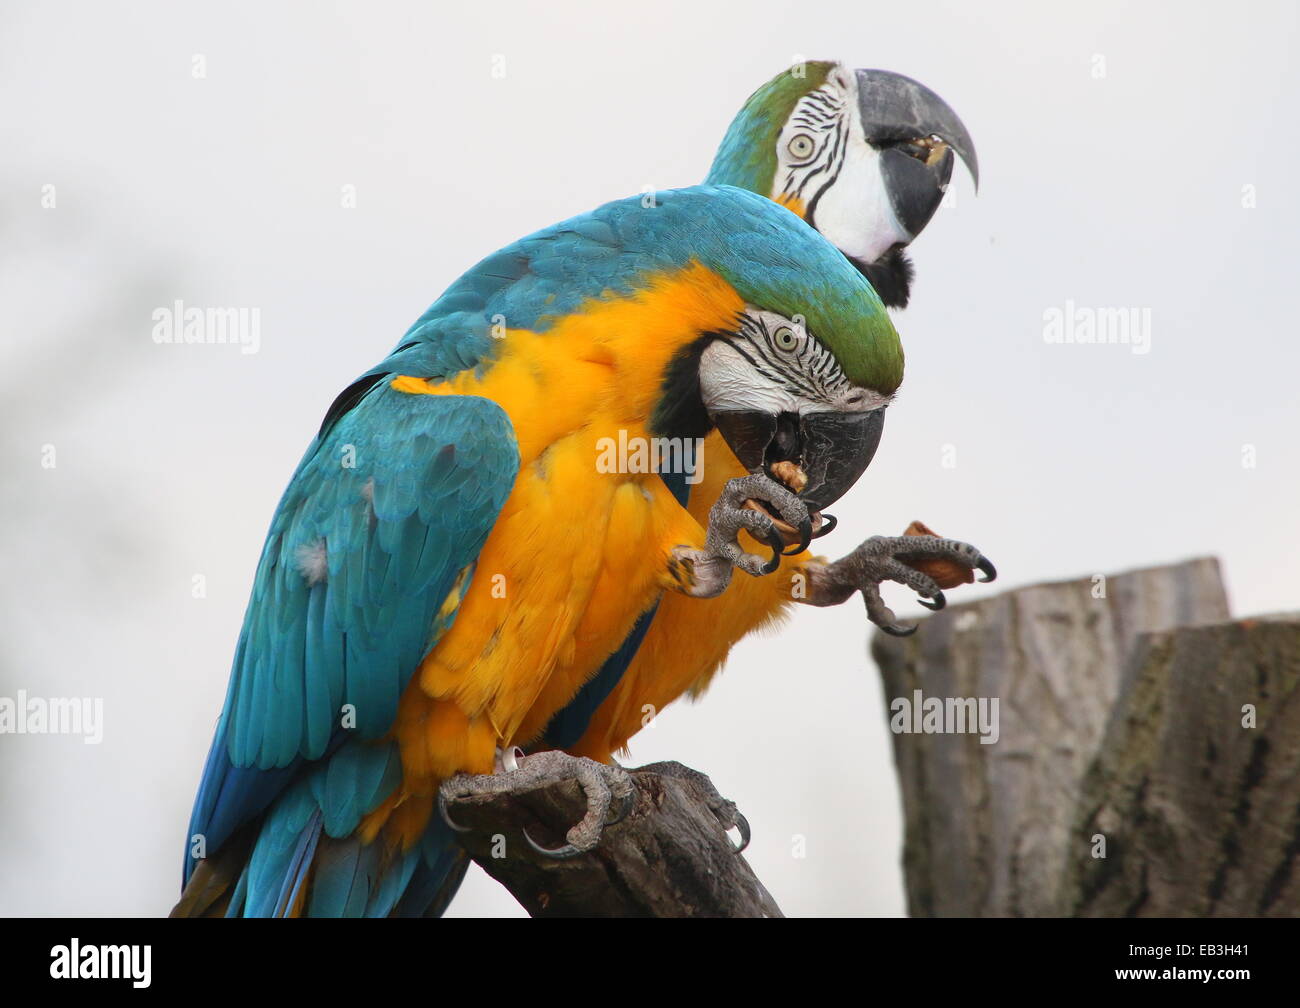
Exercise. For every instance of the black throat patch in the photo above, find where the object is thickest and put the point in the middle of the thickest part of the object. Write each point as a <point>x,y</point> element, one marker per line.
<point>891,276</point>
<point>680,411</point>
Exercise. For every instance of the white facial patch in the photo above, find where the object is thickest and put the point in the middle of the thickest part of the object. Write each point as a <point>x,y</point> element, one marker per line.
<point>854,213</point>
<point>841,183</point>
<point>774,365</point>
<point>729,381</point>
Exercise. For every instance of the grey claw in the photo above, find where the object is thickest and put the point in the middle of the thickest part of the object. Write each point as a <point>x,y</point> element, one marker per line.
<point>988,569</point>
<point>938,603</point>
<point>900,631</point>
<point>446,815</point>
<point>742,824</point>
<point>558,853</point>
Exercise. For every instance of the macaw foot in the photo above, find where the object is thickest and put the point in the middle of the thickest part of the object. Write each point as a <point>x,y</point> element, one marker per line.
<point>707,572</point>
<point>606,787</point>
<point>879,559</point>
<point>724,811</point>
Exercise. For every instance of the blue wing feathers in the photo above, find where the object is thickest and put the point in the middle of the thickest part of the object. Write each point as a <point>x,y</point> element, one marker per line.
<point>295,877</point>
<point>360,516</point>
<point>349,625</point>
<point>436,875</point>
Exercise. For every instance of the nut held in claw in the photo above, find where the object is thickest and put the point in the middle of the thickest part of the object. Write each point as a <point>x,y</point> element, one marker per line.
<point>788,533</point>
<point>946,573</point>
<point>796,479</point>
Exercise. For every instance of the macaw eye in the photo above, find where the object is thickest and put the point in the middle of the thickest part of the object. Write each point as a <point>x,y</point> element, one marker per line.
<point>785,339</point>
<point>801,147</point>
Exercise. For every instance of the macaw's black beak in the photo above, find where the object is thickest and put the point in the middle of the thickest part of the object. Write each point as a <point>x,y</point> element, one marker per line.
<point>917,133</point>
<point>832,449</point>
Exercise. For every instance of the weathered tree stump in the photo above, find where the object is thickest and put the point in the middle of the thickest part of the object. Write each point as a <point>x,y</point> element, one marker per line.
<point>670,856</point>
<point>1196,787</point>
<point>991,829</point>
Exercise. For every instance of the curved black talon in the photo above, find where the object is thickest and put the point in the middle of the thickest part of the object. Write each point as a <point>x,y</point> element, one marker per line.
<point>805,533</point>
<point>900,631</point>
<point>938,603</point>
<point>828,525</point>
<point>742,824</point>
<point>805,537</point>
<point>987,568</point>
<point>446,816</point>
<point>558,853</point>
<point>624,808</point>
<point>777,545</point>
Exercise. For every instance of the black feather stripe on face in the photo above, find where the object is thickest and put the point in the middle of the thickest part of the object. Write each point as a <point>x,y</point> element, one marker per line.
<point>809,371</point>
<point>834,165</point>
<point>816,374</point>
<point>821,116</point>
<point>680,411</point>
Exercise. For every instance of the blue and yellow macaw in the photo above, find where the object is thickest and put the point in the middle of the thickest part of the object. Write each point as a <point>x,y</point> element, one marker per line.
<point>864,156</point>
<point>450,566</point>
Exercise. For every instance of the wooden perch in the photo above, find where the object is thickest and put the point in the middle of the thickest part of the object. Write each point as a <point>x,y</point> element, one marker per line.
<point>1118,785</point>
<point>668,858</point>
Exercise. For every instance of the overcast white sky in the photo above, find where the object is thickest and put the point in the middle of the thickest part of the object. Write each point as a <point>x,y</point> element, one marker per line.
<point>1115,145</point>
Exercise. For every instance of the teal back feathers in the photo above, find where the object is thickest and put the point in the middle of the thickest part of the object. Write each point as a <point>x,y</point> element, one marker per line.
<point>772,258</point>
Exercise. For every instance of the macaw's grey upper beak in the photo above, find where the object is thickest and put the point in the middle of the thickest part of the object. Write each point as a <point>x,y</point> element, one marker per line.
<point>832,449</point>
<point>895,107</point>
<point>902,116</point>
